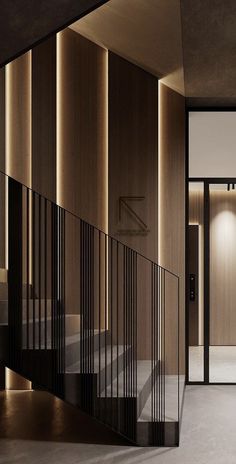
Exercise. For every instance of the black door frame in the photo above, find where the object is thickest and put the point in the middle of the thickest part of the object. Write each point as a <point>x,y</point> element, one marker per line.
<point>206,183</point>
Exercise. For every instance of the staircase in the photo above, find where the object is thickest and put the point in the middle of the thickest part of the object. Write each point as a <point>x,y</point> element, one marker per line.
<point>103,338</point>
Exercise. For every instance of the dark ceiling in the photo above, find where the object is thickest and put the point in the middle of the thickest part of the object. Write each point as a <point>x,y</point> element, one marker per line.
<point>23,23</point>
<point>208,38</point>
<point>209,51</point>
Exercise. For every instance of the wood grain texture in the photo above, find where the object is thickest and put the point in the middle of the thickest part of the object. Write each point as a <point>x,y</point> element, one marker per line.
<point>81,151</point>
<point>18,119</point>
<point>172,203</point>
<point>146,33</point>
<point>81,145</point>
<point>44,119</point>
<point>133,174</point>
<point>222,267</point>
<point>196,207</point>
<point>133,165</point>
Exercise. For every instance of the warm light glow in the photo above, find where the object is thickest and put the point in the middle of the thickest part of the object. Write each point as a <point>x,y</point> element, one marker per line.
<point>8,107</point>
<point>159,161</point>
<point>201,285</point>
<point>10,155</point>
<point>106,143</point>
<point>106,161</point>
<point>30,119</point>
<point>7,150</point>
<point>59,154</point>
<point>13,381</point>
<point>224,228</point>
<point>11,118</point>
<point>6,223</point>
<point>30,238</point>
<point>159,172</point>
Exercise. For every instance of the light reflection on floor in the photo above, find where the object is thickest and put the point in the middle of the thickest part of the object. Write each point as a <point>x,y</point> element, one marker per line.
<point>35,428</point>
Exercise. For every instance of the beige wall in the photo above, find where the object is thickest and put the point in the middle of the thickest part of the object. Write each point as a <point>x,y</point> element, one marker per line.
<point>172,208</point>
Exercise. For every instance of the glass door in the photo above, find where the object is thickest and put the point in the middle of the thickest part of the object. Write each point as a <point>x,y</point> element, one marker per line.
<point>222,282</point>
<point>211,255</point>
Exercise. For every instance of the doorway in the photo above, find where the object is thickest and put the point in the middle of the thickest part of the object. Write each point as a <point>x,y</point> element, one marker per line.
<point>211,262</point>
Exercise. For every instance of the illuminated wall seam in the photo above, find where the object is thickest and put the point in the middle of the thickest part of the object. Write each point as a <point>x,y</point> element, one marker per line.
<point>159,173</point>
<point>59,154</point>
<point>7,149</point>
<point>30,122</point>
<point>11,150</point>
<point>106,142</point>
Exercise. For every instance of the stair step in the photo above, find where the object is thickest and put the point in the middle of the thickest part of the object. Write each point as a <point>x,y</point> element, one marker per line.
<point>108,364</point>
<point>72,323</point>
<point>120,388</point>
<point>73,345</point>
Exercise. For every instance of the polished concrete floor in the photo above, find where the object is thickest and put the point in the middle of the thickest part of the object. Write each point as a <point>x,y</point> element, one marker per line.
<point>36,428</point>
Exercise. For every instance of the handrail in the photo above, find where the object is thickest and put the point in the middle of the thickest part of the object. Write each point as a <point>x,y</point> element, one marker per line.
<point>92,225</point>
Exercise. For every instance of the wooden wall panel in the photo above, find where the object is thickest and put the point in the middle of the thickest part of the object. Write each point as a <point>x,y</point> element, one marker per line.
<point>44,119</point>
<point>82,128</point>
<point>172,201</point>
<point>133,155</point>
<point>133,175</point>
<point>222,268</point>
<point>81,144</point>
<point>18,119</point>
<point>196,207</point>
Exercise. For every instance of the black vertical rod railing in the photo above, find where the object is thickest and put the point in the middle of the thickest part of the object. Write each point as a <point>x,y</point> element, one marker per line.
<point>15,241</point>
<point>110,310</point>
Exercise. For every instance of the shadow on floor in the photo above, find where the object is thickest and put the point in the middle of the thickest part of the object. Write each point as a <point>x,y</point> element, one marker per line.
<point>38,415</point>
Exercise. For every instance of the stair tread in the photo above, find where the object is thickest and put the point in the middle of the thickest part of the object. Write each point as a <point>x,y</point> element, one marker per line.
<point>171,405</point>
<point>76,337</point>
<point>109,352</point>
<point>143,373</point>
